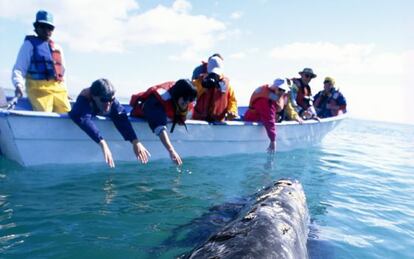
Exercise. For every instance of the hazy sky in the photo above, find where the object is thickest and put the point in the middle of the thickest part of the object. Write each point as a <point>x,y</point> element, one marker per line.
<point>367,46</point>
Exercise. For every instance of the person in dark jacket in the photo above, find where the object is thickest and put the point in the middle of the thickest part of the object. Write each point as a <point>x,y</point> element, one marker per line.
<point>99,99</point>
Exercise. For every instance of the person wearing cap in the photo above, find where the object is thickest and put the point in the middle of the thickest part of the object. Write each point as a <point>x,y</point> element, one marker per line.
<point>202,68</point>
<point>99,99</point>
<point>216,100</point>
<point>330,101</point>
<point>301,94</point>
<point>40,67</point>
<point>266,102</point>
<point>169,100</point>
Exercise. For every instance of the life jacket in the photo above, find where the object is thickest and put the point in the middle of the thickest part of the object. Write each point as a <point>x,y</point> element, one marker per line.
<point>324,99</point>
<point>46,61</point>
<point>302,91</point>
<point>266,92</point>
<point>212,103</point>
<point>161,93</point>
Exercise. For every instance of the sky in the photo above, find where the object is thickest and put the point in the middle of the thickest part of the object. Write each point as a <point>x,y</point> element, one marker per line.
<point>367,46</point>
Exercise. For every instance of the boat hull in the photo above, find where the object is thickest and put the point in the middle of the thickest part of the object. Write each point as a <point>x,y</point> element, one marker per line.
<point>36,138</point>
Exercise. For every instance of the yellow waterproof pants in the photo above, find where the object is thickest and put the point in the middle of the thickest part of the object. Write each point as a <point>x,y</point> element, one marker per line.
<point>48,95</point>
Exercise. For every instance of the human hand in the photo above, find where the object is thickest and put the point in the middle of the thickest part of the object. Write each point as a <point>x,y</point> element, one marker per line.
<point>18,92</point>
<point>175,157</point>
<point>140,151</point>
<point>272,147</point>
<point>299,119</point>
<point>107,153</point>
<point>231,116</point>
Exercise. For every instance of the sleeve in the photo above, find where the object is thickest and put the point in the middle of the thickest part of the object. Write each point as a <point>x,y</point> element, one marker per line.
<point>22,64</point>
<point>199,87</point>
<point>121,121</point>
<point>267,113</point>
<point>291,111</point>
<point>58,47</point>
<point>341,102</point>
<point>81,114</point>
<point>232,105</point>
<point>155,115</point>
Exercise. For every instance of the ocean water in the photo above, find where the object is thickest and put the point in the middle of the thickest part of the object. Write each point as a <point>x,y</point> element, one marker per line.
<point>359,185</point>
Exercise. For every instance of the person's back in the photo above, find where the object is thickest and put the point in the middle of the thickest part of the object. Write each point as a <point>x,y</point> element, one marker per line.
<point>40,66</point>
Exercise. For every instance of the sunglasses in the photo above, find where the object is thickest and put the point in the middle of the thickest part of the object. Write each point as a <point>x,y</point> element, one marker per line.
<point>327,82</point>
<point>307,75</point>
<point>107,99</point>
<point>45,26</point>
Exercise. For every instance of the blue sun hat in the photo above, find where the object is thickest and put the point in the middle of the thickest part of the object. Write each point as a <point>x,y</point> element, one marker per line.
<point>44,17</point>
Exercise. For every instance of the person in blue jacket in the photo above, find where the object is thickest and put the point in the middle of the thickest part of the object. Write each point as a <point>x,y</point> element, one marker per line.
<point>99,99</point>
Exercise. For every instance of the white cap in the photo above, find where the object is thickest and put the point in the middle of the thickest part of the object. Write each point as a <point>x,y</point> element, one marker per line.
<point>280,83</point>
<point>215,65</point>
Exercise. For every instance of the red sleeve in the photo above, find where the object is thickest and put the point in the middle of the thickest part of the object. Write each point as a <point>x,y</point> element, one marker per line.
<point>267,115</point>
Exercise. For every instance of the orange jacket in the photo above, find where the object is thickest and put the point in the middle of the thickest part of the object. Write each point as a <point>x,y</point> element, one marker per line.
<point>137,101</point>
<point>213,104</point>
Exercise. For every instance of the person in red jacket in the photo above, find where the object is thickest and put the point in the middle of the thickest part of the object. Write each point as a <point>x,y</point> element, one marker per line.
<point>265,102</point>
<point>169,100</point>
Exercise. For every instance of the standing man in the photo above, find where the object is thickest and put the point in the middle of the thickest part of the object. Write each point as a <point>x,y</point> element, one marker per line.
<point>99,99</point>
<point>40,66</point>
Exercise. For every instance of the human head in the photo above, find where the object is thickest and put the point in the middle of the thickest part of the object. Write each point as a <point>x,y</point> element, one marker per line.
<point>183,92</point>
<point>307,74</point>
<point>215,65</point>
<point>44,25</point>
<point>103,93</point>
<point>328,83</point>
<point>280,84</point>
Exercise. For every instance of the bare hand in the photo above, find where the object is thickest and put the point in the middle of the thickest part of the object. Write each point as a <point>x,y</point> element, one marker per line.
<point>107,153</point>
<point>18,92</point>
<point>175,157</point>
<point>272,147</point>
<point>299,119</point>
<point>231,116</point>
<point>140,151</point>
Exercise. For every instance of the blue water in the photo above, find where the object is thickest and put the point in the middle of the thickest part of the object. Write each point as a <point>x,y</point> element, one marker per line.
<point>359,185</point>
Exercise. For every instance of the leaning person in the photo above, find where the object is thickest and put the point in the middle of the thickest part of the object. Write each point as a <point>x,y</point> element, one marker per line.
<point>216,100</point>
<point>99,99</point>
<point>40,66</point>
<point>170,100</point>
<point>265,103</point>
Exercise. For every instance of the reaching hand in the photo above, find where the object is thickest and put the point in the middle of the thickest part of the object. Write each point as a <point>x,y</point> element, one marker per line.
<point>272,147</point>
<point>140,151</point>
<point>175,157</point>
<point>107,153</point>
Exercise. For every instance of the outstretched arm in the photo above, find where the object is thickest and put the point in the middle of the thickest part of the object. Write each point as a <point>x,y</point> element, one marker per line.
<point>167,144</point>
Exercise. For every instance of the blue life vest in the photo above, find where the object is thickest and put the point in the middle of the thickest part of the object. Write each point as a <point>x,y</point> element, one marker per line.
<point>46,62</point>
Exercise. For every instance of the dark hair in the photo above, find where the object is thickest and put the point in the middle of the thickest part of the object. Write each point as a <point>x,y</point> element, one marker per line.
<point>183,88</point>
<point>102,88</point>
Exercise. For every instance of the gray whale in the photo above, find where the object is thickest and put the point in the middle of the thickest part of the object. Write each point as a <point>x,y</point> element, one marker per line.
<point>275,226</point>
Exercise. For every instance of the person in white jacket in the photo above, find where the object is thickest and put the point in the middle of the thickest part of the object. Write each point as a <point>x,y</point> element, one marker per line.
<point>40,67</point>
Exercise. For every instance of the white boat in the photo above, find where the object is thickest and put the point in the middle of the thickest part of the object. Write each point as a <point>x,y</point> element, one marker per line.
<point>36,138</point>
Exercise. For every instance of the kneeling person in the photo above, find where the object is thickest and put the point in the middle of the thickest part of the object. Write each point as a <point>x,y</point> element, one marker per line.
<point>99,99</point>
<point>157,104</point>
